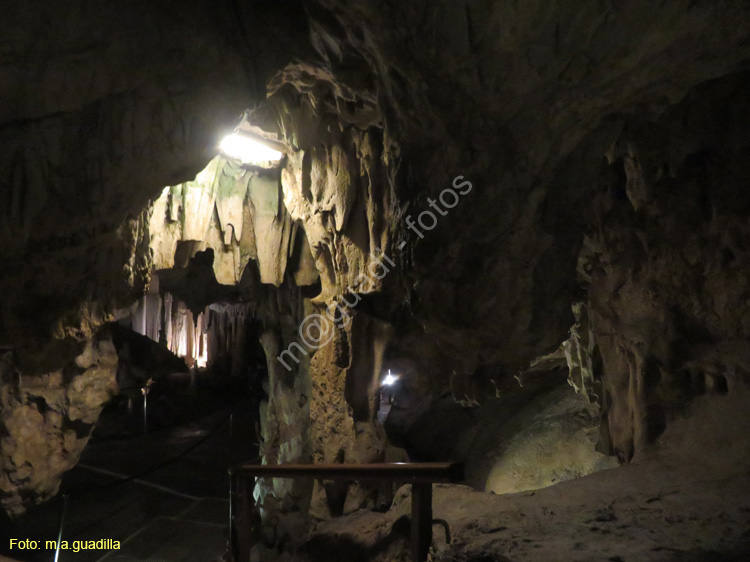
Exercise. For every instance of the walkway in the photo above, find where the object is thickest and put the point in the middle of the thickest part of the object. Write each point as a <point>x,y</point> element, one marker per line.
<point>176,513</point>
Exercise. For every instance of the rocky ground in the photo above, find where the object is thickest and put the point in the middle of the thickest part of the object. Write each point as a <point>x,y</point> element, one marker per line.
<point>623,515</point>
<point>672,507</point>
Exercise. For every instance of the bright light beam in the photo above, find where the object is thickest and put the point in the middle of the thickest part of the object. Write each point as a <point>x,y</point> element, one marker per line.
<point>389,379</point>
<point>247,149</point>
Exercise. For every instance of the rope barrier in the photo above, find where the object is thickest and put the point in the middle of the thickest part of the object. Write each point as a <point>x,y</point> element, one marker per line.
<point>84,492</point>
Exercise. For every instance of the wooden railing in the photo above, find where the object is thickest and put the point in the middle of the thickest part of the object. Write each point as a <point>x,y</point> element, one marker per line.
<point>244,528</point>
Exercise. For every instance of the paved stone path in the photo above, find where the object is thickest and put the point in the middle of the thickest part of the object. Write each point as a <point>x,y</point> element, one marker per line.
<point>198,534</point>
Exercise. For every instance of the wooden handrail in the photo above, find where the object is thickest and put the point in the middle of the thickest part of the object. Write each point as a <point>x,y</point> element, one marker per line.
<point>420,475</point>
<point>432,472</point>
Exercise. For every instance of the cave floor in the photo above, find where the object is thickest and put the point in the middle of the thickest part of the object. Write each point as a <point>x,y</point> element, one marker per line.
<point>177,512</point>
<point>648,512</point>
<point>686,500</point>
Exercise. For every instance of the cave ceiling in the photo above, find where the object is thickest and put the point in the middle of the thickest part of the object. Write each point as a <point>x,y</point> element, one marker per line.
<point>102,105</point>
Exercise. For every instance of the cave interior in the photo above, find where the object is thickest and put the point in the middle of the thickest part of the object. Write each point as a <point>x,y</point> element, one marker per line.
<point>513,236</point>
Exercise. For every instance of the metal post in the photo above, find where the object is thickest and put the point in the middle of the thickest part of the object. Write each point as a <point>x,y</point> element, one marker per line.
<point>62,522</point>
<point>145,409</point>
<point>231,432</point>
<point>230,542</point>
<point>145,390</point>
<point>243,522</point>
<point>421,520</point>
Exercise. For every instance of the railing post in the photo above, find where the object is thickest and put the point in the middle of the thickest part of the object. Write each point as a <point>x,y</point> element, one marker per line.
<point>62,523</point>
<point>145,390</point>
<point>421,520</point>
<point>231,434</point>
<point>243,516</point>
<point>231,547</point>
<point>145,411</point>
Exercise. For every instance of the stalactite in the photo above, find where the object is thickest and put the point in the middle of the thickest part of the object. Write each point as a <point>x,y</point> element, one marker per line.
<point>211,336</point>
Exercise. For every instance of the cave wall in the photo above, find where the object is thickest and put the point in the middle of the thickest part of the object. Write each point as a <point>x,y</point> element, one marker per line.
<point>514,99</point>
<point>46,421</point>
<point>668,288</point>
<point>500,94</point>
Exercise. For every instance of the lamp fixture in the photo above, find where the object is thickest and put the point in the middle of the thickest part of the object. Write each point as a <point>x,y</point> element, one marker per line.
<point>249,145</point>
<point>246,149</point>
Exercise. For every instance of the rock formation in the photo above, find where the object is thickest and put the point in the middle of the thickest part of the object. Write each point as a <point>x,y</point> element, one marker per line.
<point>47,419</point>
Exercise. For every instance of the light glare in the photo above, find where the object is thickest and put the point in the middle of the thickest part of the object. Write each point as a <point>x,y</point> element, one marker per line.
<point>389,379</point>
<point>246,149</point>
